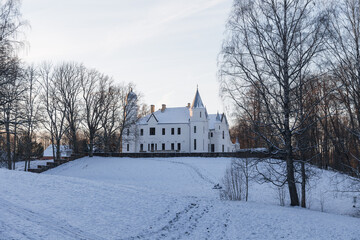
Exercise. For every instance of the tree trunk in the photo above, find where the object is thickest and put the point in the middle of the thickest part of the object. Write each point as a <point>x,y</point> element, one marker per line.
<point>303,185</point>
<point>91,142</point>
<point>74,139</point>
<point>58,152</point>
<point>291,177</point>
<point>8,143</point>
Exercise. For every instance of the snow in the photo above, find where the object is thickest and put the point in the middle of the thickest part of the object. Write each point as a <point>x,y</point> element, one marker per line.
<point>170,115</point>
<point>159,198</point>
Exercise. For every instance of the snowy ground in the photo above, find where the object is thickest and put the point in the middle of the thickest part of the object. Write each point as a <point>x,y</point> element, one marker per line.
<point>123,198</point>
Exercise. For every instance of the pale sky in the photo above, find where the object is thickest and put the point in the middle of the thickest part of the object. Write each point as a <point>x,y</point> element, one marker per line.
<point>165,47</point>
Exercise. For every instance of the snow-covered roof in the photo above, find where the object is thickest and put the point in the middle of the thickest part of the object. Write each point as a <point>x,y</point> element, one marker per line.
<point>213,118</point>
<point>169,115</point>
<point>49,151</point>
<point>197,102</point>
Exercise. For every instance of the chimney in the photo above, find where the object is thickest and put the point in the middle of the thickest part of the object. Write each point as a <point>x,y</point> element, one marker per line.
<point>163,107</point>
<point>188,106</point>
<point>152,108</point>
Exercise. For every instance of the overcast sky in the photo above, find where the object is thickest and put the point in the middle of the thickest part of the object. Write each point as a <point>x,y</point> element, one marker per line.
<point>165,47</point>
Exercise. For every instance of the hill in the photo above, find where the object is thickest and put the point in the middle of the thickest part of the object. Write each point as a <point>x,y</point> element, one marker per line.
<point>123,198</point>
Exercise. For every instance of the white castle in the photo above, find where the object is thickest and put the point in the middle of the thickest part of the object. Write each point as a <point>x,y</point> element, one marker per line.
<point>180,129</point>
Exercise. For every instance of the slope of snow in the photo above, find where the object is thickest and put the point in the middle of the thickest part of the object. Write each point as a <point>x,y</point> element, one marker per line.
<point>123,198</point>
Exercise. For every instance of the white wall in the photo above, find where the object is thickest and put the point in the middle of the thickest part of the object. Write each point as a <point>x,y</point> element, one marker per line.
<point>167,139</point>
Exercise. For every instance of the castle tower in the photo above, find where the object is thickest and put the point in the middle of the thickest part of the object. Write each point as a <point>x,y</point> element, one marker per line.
<point>199,128</point>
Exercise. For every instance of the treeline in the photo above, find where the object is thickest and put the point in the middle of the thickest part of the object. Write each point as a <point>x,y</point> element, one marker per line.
<point>292,71</point>
<point>61,104</point>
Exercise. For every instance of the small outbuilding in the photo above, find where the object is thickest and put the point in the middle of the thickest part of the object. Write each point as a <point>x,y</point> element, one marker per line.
<point>65,152</point>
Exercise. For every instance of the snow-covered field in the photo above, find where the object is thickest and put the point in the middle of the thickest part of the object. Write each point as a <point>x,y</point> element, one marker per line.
<point>170,198</point>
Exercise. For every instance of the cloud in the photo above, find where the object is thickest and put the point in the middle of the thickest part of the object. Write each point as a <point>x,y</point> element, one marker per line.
<point>156,22</point>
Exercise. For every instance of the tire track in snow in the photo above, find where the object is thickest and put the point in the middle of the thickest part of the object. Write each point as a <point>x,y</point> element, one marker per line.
<point>60,228</point>
<point>179,226</point>
<point>218,227</point>
<point>194,169</point>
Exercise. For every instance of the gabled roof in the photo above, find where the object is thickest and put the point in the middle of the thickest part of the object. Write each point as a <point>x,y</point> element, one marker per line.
<point>170,115</point>
<point>216,118</point>
<point>223,117</point>
<point>152,115</point>
<point>197,102</point>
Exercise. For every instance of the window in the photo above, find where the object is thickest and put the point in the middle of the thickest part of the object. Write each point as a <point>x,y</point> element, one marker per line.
<point>211,134</point>
<point>163,146</point>
<point>172,146</point>
<point>152,131</point>
<point>172,131</point>
<point>163,131</point>
<point>223,134</point>
<point>155,146</point>
<point>179,131</point>
<point>127,132</point>
<point>148,147</point>
<point>200,114</point>
<point>222,148</point>
<point>141,132</point>
<point>194,144</point>
<point>127,147</point>
<point>179,146</point>
<point>194,129</point>
<point>141,147</point>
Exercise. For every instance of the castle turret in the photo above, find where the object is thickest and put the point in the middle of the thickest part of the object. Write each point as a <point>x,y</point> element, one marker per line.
<point>199,127</point>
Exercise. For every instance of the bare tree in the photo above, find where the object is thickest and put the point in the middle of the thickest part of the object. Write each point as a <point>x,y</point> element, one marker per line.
<point>344,46</point>
<point>69,89</point>
<point>55,109</point>
<point>11,97</point>
<point>247,168</point>
<point>31,109</point>
<point>10,26</point>
<point>109,121</point>
<point>270,43</point>
<point>128,115</point>
<point>233,184</point>
<point>93,85</point>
